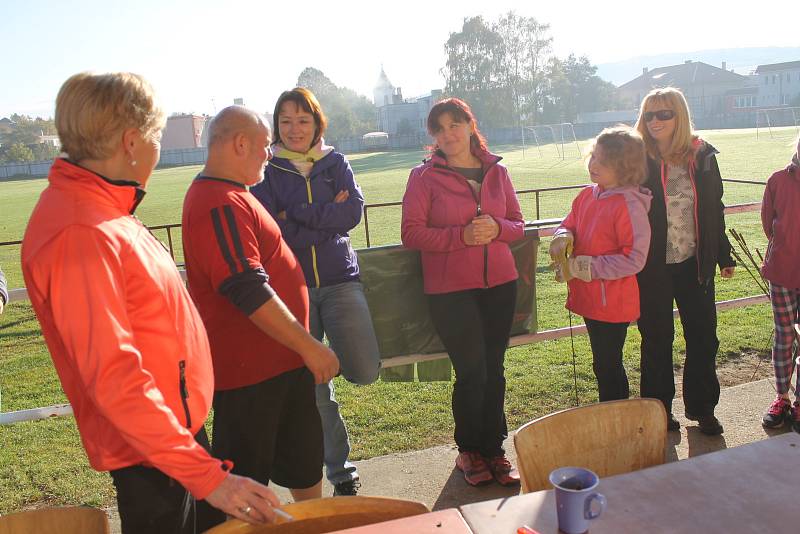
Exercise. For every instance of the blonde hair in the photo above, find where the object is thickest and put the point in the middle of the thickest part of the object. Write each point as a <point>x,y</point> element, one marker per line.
<point>624,151</point>
<point>92,111</point>
<point>681,149</point>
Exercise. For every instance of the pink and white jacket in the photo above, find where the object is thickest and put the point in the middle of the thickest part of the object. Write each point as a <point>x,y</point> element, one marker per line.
<point>439,203</point>
<point>611,226</point>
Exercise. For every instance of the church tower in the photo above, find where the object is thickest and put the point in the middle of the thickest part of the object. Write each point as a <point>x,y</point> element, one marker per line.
<point>383,91</point>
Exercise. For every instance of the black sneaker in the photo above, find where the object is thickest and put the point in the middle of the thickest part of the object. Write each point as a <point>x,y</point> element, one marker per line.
<point>779,412</point>
<point>672,424</point>
<point>709,424</point>
<point>348,487</point>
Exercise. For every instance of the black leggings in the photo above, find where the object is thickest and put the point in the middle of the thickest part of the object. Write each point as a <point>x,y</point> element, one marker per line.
<point>474,326</point>
<point>607,340</point>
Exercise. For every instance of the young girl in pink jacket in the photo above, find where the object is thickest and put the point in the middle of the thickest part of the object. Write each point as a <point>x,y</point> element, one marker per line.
<point>599,248</point>
<point>779,217</point>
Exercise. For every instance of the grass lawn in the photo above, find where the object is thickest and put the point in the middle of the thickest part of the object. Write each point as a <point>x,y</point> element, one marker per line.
<point>43,462</point>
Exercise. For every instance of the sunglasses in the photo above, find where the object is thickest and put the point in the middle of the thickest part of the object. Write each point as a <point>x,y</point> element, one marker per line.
<point>661,114</point>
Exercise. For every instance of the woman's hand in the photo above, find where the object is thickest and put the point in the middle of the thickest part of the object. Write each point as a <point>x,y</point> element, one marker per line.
<point>341,196</point>
<point>481,231</point>
<point>727,272</point>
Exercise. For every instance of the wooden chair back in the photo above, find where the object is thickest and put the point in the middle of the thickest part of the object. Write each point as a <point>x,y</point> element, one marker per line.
<point>328,515</point>
<point>608,437</point>
<point>66,520</point>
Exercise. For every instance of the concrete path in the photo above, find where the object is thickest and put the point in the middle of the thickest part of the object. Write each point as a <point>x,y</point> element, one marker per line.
<point>430,476</point>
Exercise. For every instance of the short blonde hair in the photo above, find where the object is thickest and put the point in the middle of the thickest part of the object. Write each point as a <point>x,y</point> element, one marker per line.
<point>92,111</point>
<point>623,151</point>
<point>681,150</point>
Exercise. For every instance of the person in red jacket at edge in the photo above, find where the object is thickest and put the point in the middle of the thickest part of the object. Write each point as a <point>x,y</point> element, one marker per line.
<point>461,212</point>
<point>601,245</point>
<point>251,293</point>
<point>780,208</point>
<point>127,342</point>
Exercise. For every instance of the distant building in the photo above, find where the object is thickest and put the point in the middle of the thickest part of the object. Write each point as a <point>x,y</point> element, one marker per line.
<point>705,87</point>
<point>7,125</point>
<point>51,140</point>
<point>778,84</point>
<point>184,131</point>
<point>398,116</point>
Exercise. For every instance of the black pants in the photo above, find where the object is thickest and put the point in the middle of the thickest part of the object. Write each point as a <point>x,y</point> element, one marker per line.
<point>151,502</point>
<point>607,340</point>
<point>474,326</point>
<point>658,286</point>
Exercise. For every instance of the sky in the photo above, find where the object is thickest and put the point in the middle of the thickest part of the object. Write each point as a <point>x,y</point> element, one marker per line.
<point>201,54</point>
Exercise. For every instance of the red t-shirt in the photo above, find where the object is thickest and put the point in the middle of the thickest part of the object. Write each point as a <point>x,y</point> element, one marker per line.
<point>227,234</point>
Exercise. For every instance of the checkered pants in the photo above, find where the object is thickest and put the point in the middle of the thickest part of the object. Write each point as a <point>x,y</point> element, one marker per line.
<point>785,310</point>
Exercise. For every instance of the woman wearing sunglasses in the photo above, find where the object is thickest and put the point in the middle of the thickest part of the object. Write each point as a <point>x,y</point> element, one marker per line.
<point>688,241</point>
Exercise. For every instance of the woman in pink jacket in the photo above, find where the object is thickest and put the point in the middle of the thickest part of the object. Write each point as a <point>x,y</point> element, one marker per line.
<point>599,248</point>
<point>779,216</point>
<point>461,212</point>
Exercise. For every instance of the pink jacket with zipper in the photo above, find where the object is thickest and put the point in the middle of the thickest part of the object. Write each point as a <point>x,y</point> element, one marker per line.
<point>439,203</point>
<point>611,226</point>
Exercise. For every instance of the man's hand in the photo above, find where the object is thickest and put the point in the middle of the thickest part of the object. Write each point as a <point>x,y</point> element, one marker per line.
<point>321,361</point>
<point>341,196</point>
<point>481,231</point>
<point>727,272</point>
<point>245,499</point>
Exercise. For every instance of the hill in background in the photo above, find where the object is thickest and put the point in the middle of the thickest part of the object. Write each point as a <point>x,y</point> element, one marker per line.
<point>741,60</point>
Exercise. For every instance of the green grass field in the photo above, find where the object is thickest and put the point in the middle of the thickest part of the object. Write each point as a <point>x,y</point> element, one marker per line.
<point>43,462</point>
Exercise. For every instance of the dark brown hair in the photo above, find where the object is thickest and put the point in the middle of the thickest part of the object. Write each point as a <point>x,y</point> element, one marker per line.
<point>460,111</point>
<point>305,100</point>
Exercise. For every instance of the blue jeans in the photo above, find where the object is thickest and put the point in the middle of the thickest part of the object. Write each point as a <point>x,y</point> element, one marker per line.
<point>340,313</point>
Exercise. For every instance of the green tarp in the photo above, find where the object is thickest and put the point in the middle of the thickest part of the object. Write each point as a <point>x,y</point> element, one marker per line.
<point>392,278</point>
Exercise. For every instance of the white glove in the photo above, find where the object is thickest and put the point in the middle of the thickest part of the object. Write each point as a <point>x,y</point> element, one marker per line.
<point>580,267</point>
<point>561,247</point>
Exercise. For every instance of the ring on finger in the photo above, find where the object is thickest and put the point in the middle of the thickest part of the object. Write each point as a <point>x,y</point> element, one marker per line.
<point>245,510</point>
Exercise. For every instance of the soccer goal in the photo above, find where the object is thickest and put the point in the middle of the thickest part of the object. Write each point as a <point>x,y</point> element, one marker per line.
<point>547,137</point>
<point>776,122</point>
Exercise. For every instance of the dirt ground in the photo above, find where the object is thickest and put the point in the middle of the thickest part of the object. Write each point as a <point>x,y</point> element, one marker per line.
<point>739,368</point>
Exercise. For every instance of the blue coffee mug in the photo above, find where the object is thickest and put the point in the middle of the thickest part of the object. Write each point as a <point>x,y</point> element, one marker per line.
<point>574,498</point>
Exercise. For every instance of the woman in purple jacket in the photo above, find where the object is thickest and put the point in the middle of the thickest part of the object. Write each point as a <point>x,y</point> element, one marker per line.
<point>460,210</point>
<point>779,216</point>
<point>310,190</point>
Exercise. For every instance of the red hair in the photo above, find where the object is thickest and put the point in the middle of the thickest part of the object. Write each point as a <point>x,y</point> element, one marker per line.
<point>461,112</point>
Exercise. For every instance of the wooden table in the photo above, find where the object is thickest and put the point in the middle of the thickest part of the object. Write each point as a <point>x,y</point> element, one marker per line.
<point>447,521</point>
<point>749,488</point>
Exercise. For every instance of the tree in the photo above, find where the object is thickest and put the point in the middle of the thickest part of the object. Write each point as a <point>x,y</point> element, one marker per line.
<point>575,88</point>
<point>473,71</point>
<point>349,114</point>
<point>18,153</point>
<point>525,48</point>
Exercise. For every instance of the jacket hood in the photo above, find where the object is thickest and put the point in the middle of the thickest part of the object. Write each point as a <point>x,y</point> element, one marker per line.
<point>632,193</point>
<point>328,160</point>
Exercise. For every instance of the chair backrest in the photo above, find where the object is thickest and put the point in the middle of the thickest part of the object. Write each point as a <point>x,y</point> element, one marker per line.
<point>66,520</point>
<point>608,437</point>
<point>328,515</point>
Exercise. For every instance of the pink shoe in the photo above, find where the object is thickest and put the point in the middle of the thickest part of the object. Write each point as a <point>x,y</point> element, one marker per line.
<point>502,470</point>
<point>476,471</point>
